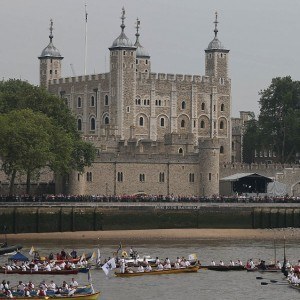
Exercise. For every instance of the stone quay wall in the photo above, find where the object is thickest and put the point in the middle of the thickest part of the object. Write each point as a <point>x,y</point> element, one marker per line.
<point>61,219</point>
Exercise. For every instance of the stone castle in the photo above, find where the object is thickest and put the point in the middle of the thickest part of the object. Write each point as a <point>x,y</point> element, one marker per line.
<point>154,133</point>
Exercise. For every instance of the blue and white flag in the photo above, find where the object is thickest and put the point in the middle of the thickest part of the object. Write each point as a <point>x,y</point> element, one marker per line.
<point>110,265</point>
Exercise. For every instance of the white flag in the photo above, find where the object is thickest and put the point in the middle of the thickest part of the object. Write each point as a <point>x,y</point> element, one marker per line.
<point>93,256</point>
<point>98,260</point>
<point>192,257</point>
<point>31,252</point>
<point>110,265</point>
<point>82,257</point>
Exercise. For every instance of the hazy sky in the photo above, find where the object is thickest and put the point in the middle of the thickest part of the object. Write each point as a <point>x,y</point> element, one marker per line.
<point>262,36</point>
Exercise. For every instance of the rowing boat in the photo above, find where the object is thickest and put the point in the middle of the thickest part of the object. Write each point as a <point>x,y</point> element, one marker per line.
<point>9,249</point>
<point>93,296</point>
<point>40,272</point>
<point>192,269</point>
<point>223,268</point>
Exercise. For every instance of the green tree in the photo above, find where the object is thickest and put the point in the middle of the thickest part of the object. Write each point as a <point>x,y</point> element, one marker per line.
<point>62,150</point>
<point>251,140</point>
<point>279,117</point>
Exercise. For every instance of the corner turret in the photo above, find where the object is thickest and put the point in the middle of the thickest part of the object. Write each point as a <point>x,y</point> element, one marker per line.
<point>142,56</point>
<point>50,61</point>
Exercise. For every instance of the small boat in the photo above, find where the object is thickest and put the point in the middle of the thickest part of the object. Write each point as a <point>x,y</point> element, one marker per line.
<point>40,272</point>
<point>4,249</point>
<point>267,270</point>
<point>223,268</point>
<point>192,269</point>
<point>93,296</point>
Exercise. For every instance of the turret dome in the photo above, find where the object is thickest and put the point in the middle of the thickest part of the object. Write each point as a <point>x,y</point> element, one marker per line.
<point>51,51</point>
<point>215,44</point>
<point>122,41</point>
<point>141,52</point>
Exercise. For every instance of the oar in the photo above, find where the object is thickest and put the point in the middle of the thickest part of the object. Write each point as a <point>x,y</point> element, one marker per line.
<point>258,277</point>
<point>278,283</point>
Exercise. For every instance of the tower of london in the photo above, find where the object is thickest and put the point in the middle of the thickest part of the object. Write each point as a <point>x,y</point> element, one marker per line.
<point>154,133</point>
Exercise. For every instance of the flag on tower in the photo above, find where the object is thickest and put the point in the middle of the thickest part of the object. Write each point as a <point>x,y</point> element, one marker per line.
<point>86,15</point>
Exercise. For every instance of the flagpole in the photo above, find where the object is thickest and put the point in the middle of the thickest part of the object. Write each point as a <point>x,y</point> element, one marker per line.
<point>85,48</point>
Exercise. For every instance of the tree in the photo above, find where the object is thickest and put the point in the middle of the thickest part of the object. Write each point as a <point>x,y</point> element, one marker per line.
<point>278,126</point>
<point>38,130</point>
<point>251,134</point>
<point>279,117</point>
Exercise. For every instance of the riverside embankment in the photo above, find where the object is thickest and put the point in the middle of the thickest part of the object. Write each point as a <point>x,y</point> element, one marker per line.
<point>64,217</point>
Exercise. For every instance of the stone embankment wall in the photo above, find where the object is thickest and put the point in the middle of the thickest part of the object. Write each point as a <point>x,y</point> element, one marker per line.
<point>60,219</point>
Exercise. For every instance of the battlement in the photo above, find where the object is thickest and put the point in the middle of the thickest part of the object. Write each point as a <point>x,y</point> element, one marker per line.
<point>83,78</point>
<point>174,77</point>
<point>259,167</point>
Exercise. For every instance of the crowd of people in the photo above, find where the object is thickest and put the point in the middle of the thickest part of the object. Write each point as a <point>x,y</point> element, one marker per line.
<point>42,289</point>
<point>147,198</point>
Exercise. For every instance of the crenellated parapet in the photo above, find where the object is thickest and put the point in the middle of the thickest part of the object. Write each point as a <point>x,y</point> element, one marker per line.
<point>83,78</point>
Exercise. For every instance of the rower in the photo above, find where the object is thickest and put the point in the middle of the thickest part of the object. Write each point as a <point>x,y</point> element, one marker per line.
<point>160,267</point>
<point>177,265</point>
<point>212,263</point>
<point>167,261</point>
<point>140,269</point>
<point>252,264</point>
<point>183,263</point>
<point>73,283</point>
<point>167,266</point>
<point>21,287</point>
<point>52,286</point>
<point>231,263</point>
<point>122,267</point>
<point>187,263</point>
<point>178,260</point>
<point>221,263</point>
<point>30,285</point>
<point>47,268</point>
<point>35,268</point>
<point>148,268</point>
<point>157,261</point>
<point>239,262</point>
<point>278,265</point>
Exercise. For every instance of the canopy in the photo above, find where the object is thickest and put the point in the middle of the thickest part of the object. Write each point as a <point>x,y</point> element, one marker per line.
<point>244,183</point>
<point>19,256</point>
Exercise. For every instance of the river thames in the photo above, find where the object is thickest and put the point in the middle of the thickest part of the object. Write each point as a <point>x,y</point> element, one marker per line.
<point>204,284</point>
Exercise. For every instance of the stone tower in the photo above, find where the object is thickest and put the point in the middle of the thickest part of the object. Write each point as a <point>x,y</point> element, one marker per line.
<point>216,67</point>
<point>216,57</point>
<point>143,64</point>
<point>50,62</point>
<point>209,167</point>
<point>122,82</point>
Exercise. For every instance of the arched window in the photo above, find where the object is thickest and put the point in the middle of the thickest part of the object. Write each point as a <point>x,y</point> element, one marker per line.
<point>79,102</point>
<point>183,105</point>
<point>221,125</point>
<point>156,102</point>
<point>202,124</point>
<point>202,106</point>
<point>106,100</point>
<point>182,124</point>
<point>79,125</point>
<point>141,121</point>
<point>93,124</point>
<point>92,101</point>
<point>159,102</point>
<point>180,151</point>
<point>222,107</point>
<point>162,122</point>
<point>139,101</point>
<point>222,149</point>
<point>106,120</point>
<point>232,145</point>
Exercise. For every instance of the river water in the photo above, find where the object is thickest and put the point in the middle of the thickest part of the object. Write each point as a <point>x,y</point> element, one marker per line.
<point>204,284</point>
